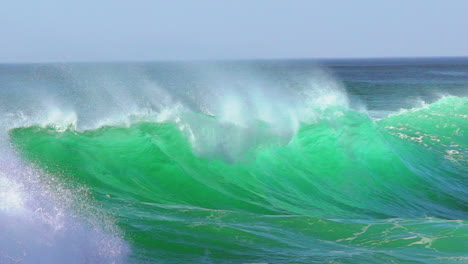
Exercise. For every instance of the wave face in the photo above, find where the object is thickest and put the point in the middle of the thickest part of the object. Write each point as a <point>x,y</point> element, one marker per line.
<point>254,175</point>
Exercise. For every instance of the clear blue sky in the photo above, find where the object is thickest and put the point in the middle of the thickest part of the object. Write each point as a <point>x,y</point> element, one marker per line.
<point>104,30</point>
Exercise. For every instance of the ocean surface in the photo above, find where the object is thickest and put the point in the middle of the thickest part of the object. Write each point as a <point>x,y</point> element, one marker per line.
<point>268,161</point>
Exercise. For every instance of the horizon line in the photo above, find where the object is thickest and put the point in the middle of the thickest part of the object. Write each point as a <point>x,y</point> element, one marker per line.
<point>233,60</point>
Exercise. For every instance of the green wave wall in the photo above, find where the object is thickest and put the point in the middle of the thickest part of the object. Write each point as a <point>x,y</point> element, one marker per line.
<point>346,189</point>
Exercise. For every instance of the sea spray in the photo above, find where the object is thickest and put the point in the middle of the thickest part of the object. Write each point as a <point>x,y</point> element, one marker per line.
<point>41,221</point>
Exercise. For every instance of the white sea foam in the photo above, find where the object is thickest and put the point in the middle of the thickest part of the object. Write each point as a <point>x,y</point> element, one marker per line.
<point>248,107</point>
<point>38,226</point>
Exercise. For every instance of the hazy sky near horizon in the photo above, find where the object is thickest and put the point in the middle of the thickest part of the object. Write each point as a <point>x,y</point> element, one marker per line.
<point>105,30</point>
